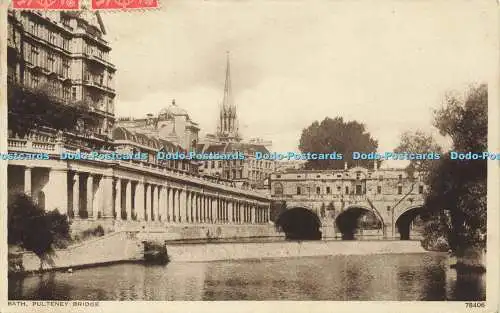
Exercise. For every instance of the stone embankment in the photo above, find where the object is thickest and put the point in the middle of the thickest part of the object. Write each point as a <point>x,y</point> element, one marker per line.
<point>128,246</point>
<point>111,248</point>
<point>194,252</point>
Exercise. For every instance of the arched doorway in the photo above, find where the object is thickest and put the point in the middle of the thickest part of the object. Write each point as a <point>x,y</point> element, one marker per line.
<point>361,219</point>
<point>409,224</point>
<point>300,224</point>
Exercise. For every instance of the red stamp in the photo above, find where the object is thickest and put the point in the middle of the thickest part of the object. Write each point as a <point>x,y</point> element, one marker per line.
<point>46,4</point>
<point>124,4</point>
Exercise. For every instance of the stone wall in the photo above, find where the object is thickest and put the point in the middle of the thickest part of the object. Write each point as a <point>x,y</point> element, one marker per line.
<point>114,247</point>
<point>231,251</point>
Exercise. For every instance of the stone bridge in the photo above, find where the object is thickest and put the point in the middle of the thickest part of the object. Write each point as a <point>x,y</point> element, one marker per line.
<point>343,198</point>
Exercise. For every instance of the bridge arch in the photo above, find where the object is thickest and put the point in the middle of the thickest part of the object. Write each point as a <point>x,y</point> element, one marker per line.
<point>404,220</point>
<point>300,223</point>
<point>347,221</point>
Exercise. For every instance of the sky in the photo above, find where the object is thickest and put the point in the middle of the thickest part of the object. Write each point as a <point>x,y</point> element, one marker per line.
<point>382,63</point>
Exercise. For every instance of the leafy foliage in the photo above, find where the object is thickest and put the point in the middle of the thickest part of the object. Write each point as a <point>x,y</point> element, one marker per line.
<point>335,135</point>
<point>30,227</point>
<point>418,142</point>
<point>459,186</point>
<point>29,108</point>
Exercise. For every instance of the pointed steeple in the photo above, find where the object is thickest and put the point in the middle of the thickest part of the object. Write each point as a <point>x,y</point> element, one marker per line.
<point>227,129</point>
<point>228,94</point>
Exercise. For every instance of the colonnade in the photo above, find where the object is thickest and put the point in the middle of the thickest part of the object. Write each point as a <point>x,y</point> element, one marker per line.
<point>96,196</point>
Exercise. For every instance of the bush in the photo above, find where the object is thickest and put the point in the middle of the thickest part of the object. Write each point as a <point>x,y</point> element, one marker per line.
<point>33,229</point>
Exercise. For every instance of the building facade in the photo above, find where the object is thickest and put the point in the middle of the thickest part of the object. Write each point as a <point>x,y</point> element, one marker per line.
<point>64,54</point>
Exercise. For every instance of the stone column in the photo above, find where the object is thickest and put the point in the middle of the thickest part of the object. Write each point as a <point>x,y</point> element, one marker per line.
<point>107,196</point>
<point>128,200</point>
<point>90,196</point>
<point>230,211</point>
<point>253,213</point>
<point>118,199</point>
<point>178,205</point>
<point>183,205</point>
<point>174,205</point>
<point>155,203</point>
<point>188,206</point>
<point>139,201</point>
<point>76,195</point>
<point>27,180</point>
<point>268,212</point>
<point>196,208</point>
<point>97,200</point>
<point>161,203</point>
<point>148,203</point>
<point>171,211</point>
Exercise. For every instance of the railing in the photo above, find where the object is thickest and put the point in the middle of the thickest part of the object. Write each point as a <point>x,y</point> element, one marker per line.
<point>45,143</point>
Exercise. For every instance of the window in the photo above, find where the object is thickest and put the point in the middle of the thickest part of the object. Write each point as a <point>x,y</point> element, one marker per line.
<point>346,190</point>
<point>52,37</point>
<point>400,177</point>
<point>101,79</point>
<point>381,177</point>
<point>328,190</point>
<point>34,55</point>
<point>400,190</point>
<point>212,164</point>
<point>65,20</point>
<point>359,189</point>
<point>379,189</point>
<point>73,93</point>
<point>420,189</point>
<point>51,60</point>
<point>388,208</point>
<point>66,93</point>
<point>33,27</point>
<point>318,190</point>
<point>65,43</point>
<point>110,105</point>
<point>338,188</point>
<point>35,80</point>
<point>65,67</point>
<point>298,190</point>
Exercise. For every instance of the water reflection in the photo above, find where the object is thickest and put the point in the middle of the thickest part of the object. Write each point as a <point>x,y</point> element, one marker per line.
<point>374,277</point>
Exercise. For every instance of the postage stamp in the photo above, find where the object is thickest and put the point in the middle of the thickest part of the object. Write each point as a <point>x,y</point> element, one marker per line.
<point>248,156</point>
<point>46,4</point>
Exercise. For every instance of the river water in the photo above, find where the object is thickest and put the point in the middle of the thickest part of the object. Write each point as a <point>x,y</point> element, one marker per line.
<point>424,276</point>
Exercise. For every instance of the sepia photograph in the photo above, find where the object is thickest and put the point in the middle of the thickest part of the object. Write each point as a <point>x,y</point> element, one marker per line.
<point>251,151</point>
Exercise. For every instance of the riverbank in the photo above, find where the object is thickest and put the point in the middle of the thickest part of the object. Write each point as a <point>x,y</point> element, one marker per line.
<point>197,252</point>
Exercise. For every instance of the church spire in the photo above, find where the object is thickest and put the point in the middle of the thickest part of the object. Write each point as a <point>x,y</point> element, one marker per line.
<point>228,94</point>
<point>228,123</point>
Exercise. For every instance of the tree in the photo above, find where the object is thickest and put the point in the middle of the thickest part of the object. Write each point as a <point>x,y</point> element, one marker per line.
<point>335,135</point>
<point>33,229</point>
<point>421,143</point>
<point>29,108</point>
<point>458,187</point>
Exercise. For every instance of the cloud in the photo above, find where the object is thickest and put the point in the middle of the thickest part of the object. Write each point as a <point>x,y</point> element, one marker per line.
<point>386,65</point>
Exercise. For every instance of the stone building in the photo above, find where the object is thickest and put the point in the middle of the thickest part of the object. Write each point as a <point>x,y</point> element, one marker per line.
<point>172,124</point>
<point>65,54</point>
<point>249,172</point>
